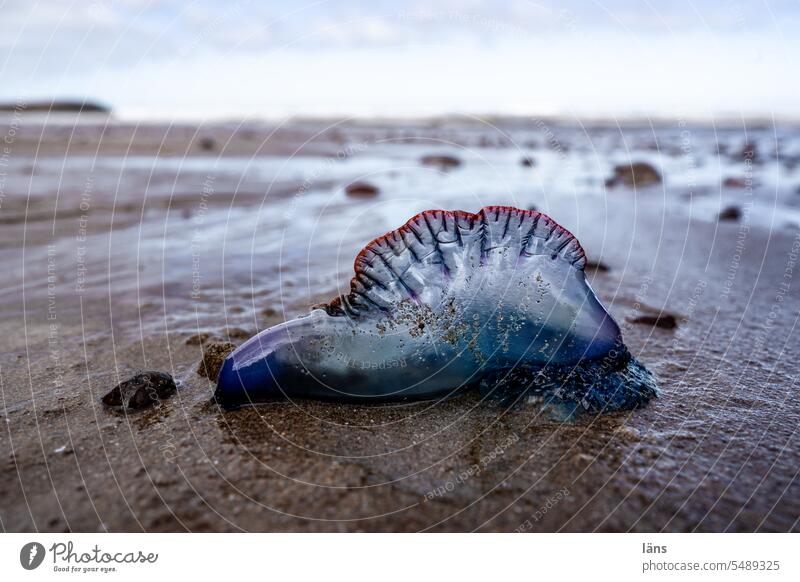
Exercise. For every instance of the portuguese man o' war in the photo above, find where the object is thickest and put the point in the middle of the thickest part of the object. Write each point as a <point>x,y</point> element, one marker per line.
<point>451,300</point>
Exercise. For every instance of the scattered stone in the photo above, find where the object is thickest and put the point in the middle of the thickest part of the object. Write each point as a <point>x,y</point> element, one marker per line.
<point>635,175</point>
<point>749,152</point>
<point>140,391</point>
<point>661,320</point>
<point>441,161</point>
<point>597,266</point>
<point>527,162</point>
<point>208,144</point>
<point>532,208</point>
<point>214,355</point>
<point>361,190</point>
<point>732,182</point>
<point>63,450</point>
<point>730,214</point>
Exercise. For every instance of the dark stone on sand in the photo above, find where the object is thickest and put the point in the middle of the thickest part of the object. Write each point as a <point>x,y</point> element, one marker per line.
<point>361,190</point>
<point>597,266</point>
<point>269,312</point>
<point>141,391</point>
<point>527,162</point>
<point>733,182</point>
<point>337,137</point>
<point>749,152</point>
<point>441,161</point>
<point>208,144</point>
<point>214,355</point>
<point>635,175</point>
<point>661,320</point>
<point>730,214</point>
<point>532,208</point>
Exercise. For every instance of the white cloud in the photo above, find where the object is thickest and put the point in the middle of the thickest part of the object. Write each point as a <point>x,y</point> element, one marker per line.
<point>360,57</point>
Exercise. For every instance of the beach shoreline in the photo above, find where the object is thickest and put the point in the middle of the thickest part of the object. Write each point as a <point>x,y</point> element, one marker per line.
<point>119,253</point>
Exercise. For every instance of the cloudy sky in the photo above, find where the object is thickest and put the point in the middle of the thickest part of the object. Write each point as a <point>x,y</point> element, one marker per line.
<point>214,58</point>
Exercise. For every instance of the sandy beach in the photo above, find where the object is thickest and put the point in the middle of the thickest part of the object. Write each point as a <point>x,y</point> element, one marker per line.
<point>129,247</point>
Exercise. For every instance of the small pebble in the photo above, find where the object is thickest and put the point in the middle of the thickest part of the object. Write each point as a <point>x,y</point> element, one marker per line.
<point>443,162</point>
<point>662,320</point>
<point>141,391</point>
<point>598,266</point>
<point>732,182</point>
<point>635,175</point>
<point>730,214</point>
<point>208,144</point>
<point>361,190</point>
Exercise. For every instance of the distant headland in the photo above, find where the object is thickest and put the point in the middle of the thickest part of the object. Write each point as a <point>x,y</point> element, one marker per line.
<point>65,106</point>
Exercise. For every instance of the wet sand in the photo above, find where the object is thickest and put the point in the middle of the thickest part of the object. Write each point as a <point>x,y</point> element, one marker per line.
<point>119,243</point>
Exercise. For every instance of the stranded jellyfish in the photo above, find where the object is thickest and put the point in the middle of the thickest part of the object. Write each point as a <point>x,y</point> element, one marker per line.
<point>496,301</point>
